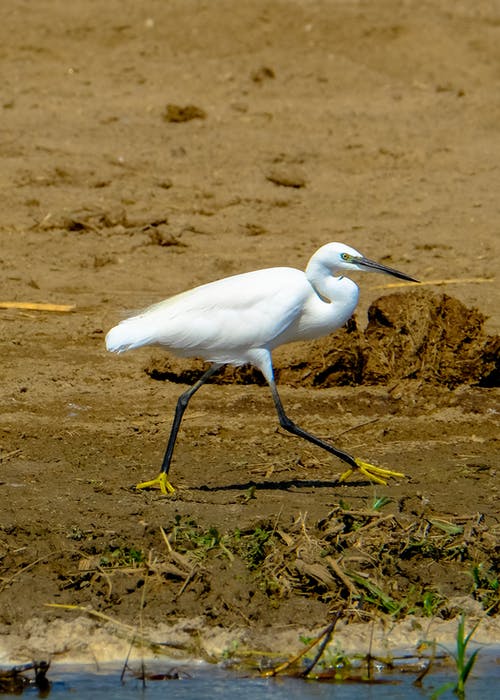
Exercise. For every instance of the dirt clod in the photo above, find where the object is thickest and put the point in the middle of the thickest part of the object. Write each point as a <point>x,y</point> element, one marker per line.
<point>177,113</point>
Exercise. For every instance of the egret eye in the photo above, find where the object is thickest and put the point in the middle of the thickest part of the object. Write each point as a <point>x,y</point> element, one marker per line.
<point>346,257</point>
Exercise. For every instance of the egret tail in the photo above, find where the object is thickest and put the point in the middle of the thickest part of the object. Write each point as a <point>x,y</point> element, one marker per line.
<point>130,334</point>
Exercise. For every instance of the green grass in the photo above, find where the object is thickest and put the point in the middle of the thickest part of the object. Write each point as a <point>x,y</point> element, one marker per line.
<point>486,588</point>
<point>251,545</point>
<point>463,663</point>
<point>123,557</point>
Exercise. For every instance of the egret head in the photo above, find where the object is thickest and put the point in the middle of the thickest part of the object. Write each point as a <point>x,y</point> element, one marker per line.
<point>338,257</point>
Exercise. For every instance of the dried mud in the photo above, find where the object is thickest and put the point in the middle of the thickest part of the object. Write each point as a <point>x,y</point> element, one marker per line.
<point>150,147</point>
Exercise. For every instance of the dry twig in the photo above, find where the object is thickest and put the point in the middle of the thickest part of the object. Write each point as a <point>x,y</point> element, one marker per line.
<point>36,306</point>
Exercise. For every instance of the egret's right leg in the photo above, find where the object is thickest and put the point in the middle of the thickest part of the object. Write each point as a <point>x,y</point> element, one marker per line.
<point>376,474</point>
<point>161,482</point>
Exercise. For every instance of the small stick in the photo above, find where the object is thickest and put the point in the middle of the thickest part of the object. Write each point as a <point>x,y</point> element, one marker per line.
<point>328,634</point>
<point>128,630</point>
<point>35,306</point>
<point>188,578</point>
<point>284,666</point>
<point>7,581</point>
<point>359,425</point>
<point>452,280</point>
<point>418,680</point>
<point>166,540</point>
<point>342,576</point>
<point>8,455</point>
<point>290,662</point>
<point>369,657</point>
<point>92,613</point>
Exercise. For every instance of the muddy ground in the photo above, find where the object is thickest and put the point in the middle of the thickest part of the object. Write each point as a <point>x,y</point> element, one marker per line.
<point>149,147</point>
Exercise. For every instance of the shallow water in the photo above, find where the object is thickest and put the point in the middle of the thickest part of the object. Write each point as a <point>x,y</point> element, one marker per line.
<point>199,680</point>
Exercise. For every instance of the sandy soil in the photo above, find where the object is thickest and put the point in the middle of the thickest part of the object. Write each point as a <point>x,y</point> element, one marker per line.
<point>149,147</point>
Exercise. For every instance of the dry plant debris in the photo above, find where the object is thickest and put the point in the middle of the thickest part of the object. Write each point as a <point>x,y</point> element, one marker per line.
<point>358,562</point>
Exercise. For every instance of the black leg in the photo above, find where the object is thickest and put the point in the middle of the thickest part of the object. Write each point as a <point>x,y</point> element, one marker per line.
<point>289,425</point>
<point>161,482</point>
<point>376,474</point>
<point>182,403</point>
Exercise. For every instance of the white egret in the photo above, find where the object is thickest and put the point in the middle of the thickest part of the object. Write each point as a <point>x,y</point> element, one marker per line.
<point>241,319</point>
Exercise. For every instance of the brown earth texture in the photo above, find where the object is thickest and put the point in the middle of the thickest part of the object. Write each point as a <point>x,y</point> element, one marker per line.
<point>150,147</point>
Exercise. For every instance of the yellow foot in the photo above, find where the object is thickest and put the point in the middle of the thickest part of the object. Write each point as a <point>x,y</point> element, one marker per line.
<point>376,474</point>
<point>161,482</point>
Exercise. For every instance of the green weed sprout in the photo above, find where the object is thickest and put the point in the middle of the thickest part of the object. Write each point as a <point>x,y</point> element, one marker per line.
<point>463,664</point>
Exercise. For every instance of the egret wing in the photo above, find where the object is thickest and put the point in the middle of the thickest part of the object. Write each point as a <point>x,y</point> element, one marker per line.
<point>221,320</point>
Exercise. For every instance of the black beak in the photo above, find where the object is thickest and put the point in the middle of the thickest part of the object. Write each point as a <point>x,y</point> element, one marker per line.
<point>378,267</point>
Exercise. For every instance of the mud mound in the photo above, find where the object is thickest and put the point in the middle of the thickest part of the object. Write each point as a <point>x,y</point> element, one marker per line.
<point>336,360</point>
<point>414,335</point>
<point>429,337</point>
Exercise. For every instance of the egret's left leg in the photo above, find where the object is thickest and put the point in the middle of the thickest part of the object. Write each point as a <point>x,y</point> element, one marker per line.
<point>376,474</point>
<point>161,481</point>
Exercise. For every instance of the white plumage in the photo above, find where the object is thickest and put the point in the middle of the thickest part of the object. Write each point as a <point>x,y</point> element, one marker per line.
<point>223,320</point>
<point>241,319</point>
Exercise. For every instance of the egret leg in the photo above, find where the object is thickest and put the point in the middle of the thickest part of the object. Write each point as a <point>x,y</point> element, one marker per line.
<point>376,474</point>
<point>161,482</point>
